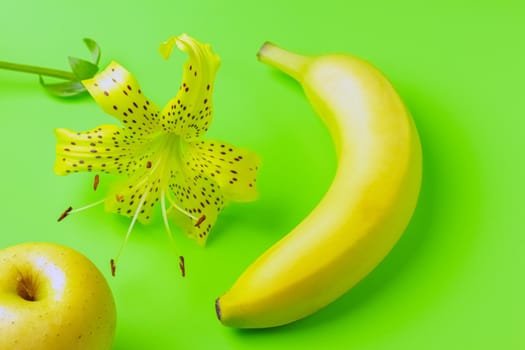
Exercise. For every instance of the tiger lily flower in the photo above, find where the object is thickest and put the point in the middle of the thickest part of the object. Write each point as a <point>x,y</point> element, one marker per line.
<point>160,153</point>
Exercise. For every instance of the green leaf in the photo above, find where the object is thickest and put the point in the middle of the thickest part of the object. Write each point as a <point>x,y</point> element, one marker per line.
<point>66,89</point>
<point>82,69</point>
<point>94,49</point>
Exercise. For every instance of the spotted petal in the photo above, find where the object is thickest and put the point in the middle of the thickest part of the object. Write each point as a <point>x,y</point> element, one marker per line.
<point>137,195</point>
<point>234,169</point>
<point>118,93</point>
<point>103,149</point>
<point>85,151</point>
<point>189,113</point>
<point>202,199</point>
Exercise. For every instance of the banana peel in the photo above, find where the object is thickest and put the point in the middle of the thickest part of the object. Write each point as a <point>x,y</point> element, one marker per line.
<point>363,214</point>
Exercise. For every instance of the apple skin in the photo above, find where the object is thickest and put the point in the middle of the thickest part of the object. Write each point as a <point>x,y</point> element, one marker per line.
<point>73,307</point>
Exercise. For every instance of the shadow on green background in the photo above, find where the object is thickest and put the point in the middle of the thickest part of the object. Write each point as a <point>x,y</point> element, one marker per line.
<point>430,257</point>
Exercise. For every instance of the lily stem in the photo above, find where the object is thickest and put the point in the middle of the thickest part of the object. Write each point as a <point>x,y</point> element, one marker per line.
<point>38,70</point>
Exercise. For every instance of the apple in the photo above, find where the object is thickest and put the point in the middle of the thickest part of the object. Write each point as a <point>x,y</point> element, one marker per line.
<point>52,298</point>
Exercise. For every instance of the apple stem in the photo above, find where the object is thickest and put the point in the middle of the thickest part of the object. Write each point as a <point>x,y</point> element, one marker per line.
<point>25,287</point>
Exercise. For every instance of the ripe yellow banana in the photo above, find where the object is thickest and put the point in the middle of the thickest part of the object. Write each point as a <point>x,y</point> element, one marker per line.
<point>362,215</point>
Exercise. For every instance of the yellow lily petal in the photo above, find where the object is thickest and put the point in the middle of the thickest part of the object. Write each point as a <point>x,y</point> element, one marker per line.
<point>118,93</point>
<point>189,113</point>
<point>234,169</point>
<point>197,203</point>
<point>95,150</point>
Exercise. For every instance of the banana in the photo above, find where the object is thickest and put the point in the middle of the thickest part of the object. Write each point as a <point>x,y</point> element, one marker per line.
<point>363,214</point>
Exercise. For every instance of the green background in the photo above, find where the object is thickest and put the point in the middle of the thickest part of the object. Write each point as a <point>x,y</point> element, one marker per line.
<point>455,280</point>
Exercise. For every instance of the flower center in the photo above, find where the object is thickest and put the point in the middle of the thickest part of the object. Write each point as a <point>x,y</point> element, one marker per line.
<point>167,156</point>
<point>162,152</point>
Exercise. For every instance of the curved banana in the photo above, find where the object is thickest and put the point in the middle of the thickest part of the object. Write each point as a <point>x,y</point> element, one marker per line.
<point>363,214</point>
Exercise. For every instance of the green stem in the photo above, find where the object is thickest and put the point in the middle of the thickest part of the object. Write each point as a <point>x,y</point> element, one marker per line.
<point>38,70</point>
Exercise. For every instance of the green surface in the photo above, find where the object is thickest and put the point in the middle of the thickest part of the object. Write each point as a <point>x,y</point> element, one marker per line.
<point>456,278</point>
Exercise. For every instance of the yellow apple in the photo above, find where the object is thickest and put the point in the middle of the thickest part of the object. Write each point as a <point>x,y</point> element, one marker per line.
<point>53,298</point>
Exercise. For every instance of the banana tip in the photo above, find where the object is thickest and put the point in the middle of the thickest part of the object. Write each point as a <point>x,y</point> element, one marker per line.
<point>262,48</point>
<point>218,308</point>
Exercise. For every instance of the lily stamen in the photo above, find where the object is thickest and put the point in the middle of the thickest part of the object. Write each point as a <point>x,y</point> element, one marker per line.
<point>89,206</point>
<point>165,215</point>
<point>70,209</point>
<point>128,233</point>
<point>176,206</point>
<point>182,266</point>
<point>64,214</point>
<point>168,230</point>
<point>200,221</point>
<point>96,182</point>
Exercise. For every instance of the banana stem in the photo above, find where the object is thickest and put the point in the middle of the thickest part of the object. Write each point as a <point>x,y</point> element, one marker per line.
<point>37,70</point>
<point>290,63</point>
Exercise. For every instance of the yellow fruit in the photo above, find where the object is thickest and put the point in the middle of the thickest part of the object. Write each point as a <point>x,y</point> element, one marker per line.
<point>363,214</point>
<point>53,298</point>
